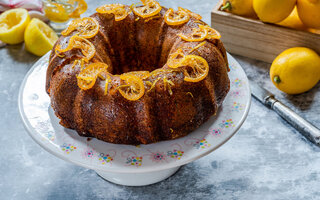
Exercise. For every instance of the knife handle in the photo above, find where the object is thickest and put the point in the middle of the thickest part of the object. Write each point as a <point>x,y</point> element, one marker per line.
<point>306,128</point>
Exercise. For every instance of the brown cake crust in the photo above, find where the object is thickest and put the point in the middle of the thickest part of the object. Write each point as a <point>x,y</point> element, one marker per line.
<point>134,45</point>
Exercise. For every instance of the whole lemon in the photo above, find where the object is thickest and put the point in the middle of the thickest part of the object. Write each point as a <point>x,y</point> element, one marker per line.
<point>239,7</point>
<point>296,70</point>
<point>309,12</point>
<point>273,11</point>
<point>293,21</point>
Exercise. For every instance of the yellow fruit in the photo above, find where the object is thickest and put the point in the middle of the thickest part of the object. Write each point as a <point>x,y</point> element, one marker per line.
<point>56,13</point>
<point>239,7</point>
<point>273,11</point>
<point>133,89</point>
<point>150,8</point>
<point>39,37</point>
<point>12,25</point>
<point>316,31</point>
<point>197,34</point>
<point>196,68</point>
<point>293,21</point>
<point>309,12</point>
<point>296,70</point>
<point>88,76</point>
<point>176,17</point>
<point>81,8</point>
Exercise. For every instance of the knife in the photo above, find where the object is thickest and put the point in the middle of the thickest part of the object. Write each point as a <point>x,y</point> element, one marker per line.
<point>308,130</point>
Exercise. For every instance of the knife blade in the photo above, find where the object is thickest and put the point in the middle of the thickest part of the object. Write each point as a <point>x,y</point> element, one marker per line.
<point>307,129</point>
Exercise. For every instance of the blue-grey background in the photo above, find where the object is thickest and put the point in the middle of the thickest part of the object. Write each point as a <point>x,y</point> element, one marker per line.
<point>266,159</point>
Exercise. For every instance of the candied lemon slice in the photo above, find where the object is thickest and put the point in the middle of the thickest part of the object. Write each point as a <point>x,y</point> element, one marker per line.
<point>86,83</point>
<point>133,89</point>
<point>13,24</point>
<point>140,74</point>
<point>195,69</point>
<point>119,11</point>
<point>149,9</point>
<point>197,34</point>
<point>176,18</point>
<point>77,42</point>
<point>81,8</point>
<point>175,59</point>
<point>86,27</point>
<point>212,33</point>
<point>88,76</point>
<point>39,38</point>
<point>191,14</point>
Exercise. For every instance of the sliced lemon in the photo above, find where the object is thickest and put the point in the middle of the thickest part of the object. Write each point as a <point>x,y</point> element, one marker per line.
<point>175,59</point>
<point>196,68</point>
<point>150,8</point>
<point>86,83</point>
<point>88,76</point>
<point>176,18</point>
<point>191,14</point>
<point>212,33</point>
<point>119,11</point>
<point>198,34</point>
<point>13,24</point>
<point>86,27</point>
<point>39,37</point>
<point>133,89</point>
<point>77,42</point>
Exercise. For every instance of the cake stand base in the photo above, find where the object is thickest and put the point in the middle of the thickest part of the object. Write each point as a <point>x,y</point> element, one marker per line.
<point>137,179</point>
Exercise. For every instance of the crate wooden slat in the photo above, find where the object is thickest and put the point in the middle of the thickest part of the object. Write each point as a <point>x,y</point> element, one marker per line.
<point>255,39</point>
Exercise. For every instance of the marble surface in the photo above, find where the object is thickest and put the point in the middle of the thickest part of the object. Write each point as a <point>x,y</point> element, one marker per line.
<point>266,159</point>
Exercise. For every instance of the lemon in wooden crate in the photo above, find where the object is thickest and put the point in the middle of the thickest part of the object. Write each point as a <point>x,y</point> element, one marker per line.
<point>273,11</point>
<point>309,12</point>
<point>296,70</point>
<point>293,21</point>
<point>239,7</point>
<point>39,37</point>
<point>13,24</point>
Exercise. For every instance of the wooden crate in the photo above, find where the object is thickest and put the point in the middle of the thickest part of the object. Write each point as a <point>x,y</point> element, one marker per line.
<point>255,39</point>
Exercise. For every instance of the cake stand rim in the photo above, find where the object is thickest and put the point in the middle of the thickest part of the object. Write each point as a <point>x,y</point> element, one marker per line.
<point>32,133</point>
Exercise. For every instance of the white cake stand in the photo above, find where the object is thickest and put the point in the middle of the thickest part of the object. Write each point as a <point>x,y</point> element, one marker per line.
<point>128,164</point>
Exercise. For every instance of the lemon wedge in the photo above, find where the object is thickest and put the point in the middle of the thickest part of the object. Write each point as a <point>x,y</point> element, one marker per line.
<point>13,24</point>
<point>39,37</point>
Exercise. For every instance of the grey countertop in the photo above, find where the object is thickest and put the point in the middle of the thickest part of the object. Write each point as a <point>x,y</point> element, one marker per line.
<point>266,159</point>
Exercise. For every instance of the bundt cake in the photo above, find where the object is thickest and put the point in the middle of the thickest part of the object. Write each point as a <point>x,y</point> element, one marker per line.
<point>137,74</point>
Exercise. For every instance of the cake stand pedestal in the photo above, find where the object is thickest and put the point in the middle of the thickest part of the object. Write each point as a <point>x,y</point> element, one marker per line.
<point>137,179</point>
